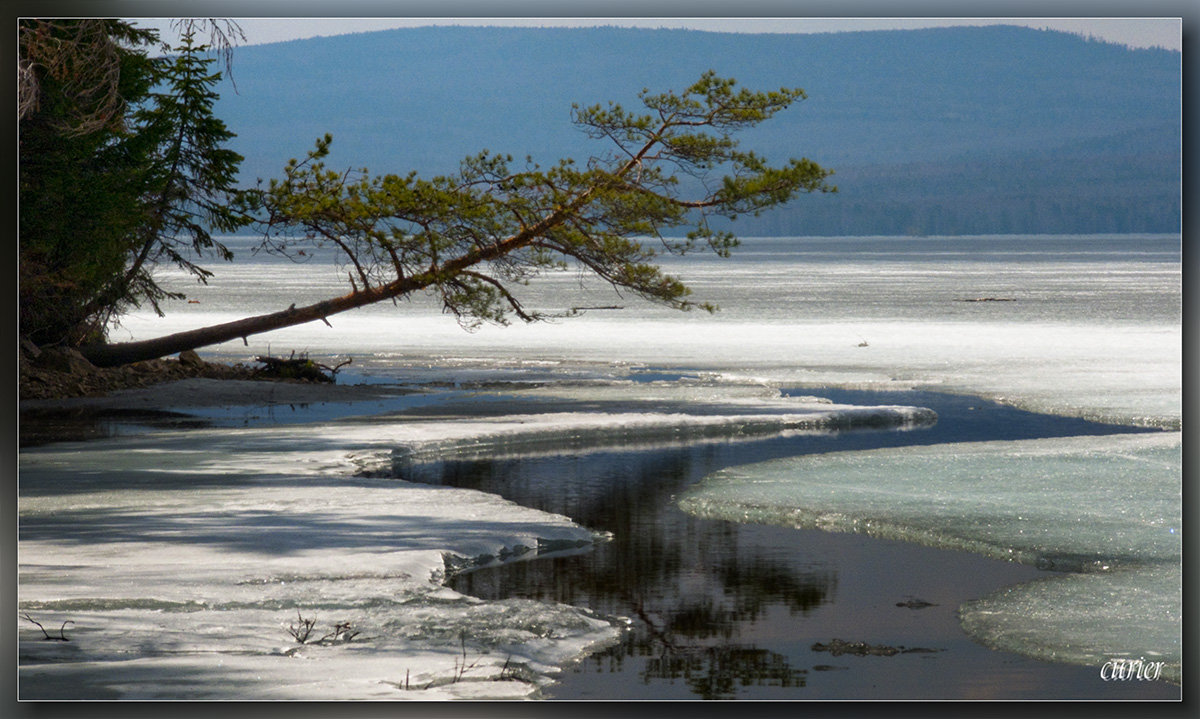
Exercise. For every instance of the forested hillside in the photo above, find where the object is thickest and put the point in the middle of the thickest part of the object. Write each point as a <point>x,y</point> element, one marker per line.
<point>945,131</point>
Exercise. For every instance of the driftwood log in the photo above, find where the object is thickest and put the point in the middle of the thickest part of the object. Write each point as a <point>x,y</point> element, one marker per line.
<point>301,368</point>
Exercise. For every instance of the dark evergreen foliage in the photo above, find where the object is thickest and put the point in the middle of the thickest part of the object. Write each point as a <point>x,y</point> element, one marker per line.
<point>122,169</point>
<point>475,237</point>
<point>126,164</point>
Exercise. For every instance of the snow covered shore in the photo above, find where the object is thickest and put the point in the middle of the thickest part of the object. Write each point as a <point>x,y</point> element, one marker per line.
<point>184,563</point>
<point>181,561</point>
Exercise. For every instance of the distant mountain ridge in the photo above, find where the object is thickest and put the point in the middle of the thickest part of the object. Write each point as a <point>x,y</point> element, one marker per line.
<point>971,130</point>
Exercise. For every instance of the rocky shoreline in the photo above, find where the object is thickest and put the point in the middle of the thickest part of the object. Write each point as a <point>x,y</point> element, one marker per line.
<point>63,397</point>
<point>63,373</point>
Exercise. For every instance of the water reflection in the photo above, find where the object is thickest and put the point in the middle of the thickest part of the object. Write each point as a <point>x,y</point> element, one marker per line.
<point>39,427</point>
<point>718,672</point>
<point>722,610</point>
<point>691,587</point>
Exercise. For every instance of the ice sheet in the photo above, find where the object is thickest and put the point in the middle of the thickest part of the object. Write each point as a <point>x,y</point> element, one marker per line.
<point>1080,326</point>
<point>1084,326</point>
<point>189,553</point>
<point>1130,614</point>
<point>1107,506</point>
<point>575,433</point>
<point>180,562</point>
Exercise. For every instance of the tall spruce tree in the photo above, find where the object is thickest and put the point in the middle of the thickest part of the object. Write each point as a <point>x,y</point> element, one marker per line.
<point>189,182</point>
<point>80,186</point>
<point>121,169</point>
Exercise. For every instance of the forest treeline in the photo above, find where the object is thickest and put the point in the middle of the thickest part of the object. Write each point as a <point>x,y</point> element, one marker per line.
<point>1130,194</point>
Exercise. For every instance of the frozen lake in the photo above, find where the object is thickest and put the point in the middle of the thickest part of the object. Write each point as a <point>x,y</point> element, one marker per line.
<point>162,546</point>
<point>1087,326</point>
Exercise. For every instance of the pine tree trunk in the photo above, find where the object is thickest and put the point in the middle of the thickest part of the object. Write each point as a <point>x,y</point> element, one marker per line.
<point>111,355</point>
<point>127,352</point>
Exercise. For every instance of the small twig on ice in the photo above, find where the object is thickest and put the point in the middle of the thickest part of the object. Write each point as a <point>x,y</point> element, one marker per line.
<point>341,632</point>
<point>62,637</point>
<point>300,633</point>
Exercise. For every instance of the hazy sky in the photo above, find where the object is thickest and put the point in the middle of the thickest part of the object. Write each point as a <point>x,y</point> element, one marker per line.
<point>1135,32</point>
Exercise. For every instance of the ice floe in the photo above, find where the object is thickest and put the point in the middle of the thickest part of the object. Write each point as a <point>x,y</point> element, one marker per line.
<point>1108,507</point>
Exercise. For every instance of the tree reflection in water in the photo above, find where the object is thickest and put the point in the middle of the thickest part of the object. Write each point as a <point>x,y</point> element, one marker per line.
<point>691,586</point>
<point>709,601</point>
<point>718,672</point>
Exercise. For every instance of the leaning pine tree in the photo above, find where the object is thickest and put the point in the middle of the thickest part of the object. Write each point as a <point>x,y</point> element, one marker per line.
<point>476,237</point>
